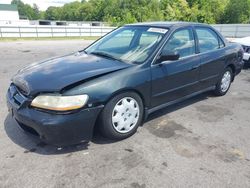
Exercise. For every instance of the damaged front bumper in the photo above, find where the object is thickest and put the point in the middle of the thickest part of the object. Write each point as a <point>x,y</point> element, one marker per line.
<point>52,128</point>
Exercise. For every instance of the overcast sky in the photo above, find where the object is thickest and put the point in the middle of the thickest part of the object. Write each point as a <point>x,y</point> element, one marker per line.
<point>42,4</point>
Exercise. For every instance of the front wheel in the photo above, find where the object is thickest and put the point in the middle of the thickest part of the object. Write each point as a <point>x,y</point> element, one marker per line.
<point>121,116</point>
<point>224,83</point>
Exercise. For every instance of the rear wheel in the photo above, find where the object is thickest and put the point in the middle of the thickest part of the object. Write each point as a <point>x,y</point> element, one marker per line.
<point>224,83</point>
<point>121,116</point>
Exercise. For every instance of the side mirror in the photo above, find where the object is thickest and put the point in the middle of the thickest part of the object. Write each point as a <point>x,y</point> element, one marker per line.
<point>169,56</point>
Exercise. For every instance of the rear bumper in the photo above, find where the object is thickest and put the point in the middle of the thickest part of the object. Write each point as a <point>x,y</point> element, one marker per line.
<point>56,129</point>
<point>238,67</point>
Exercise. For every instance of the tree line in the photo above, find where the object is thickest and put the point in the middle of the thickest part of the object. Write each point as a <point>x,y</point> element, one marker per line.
<point>119,12</point>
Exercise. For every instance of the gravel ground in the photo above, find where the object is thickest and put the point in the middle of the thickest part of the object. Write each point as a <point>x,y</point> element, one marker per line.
<point>202,142</point>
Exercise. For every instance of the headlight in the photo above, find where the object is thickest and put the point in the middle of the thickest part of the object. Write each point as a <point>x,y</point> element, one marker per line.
<point>60,103</point>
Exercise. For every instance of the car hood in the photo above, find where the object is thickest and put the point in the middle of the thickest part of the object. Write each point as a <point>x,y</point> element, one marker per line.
<point>243,41</point>
<point>55,74</point>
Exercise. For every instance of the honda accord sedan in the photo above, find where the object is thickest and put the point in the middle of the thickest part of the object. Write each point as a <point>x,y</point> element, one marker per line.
<point>114,84</point>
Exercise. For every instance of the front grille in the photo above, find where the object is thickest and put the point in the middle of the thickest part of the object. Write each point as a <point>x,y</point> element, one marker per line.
<point>16,96</point>
<point>20,90</point>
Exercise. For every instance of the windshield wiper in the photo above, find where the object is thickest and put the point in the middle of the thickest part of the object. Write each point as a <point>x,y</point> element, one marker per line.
<point>103,54</point>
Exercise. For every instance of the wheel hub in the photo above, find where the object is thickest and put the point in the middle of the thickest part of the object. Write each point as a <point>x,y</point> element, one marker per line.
<point>125,115</point>
<point>225,82</point>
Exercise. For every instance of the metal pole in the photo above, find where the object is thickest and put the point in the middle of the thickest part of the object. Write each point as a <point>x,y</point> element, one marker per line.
<point>19,31</point>
<point>236,31</point>
<point>36,32</point>
<point>51,31</point>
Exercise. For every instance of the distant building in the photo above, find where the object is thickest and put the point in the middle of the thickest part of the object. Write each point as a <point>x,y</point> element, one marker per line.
<point>8,12</point>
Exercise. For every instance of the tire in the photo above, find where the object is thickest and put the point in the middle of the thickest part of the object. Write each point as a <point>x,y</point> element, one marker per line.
<point>227,78</point>
<point>116,113</point>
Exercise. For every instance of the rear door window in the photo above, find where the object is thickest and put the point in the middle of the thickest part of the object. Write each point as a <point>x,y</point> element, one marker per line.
<point>208,40</point>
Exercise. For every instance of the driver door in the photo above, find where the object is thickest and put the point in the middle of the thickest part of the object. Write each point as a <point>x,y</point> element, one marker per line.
<point>172,80</point>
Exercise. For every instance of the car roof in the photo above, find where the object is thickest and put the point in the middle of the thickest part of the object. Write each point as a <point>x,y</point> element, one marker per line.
<point>166,24</point>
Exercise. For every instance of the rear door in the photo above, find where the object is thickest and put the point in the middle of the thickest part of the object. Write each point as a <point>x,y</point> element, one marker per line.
<point>172,80</point>
<point>211,49</point>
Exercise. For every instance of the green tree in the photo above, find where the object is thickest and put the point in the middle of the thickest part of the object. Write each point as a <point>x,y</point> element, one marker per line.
<point>119,12</point>
<point>52,13</point>
<point>70,11</point>
<point>237,11</point>
<point>178,10</point>
<point>209,11</point>
<point>36,11</point>
<point>26,11</point>
<point>84,12</point>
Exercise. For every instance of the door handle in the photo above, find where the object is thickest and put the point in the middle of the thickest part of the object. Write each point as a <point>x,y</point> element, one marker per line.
<point>195,67</point>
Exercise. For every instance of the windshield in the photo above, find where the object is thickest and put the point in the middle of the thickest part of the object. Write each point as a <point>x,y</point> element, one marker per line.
<point>128,44</point>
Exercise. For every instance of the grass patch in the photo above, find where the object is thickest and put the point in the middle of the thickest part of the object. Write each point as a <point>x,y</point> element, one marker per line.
<point>6,39</point>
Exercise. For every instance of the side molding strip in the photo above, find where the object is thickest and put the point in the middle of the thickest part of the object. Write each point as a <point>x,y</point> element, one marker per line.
<point>178,100</point>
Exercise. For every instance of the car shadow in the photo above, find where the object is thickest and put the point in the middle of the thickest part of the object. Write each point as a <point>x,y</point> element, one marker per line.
<point>32,144</point>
